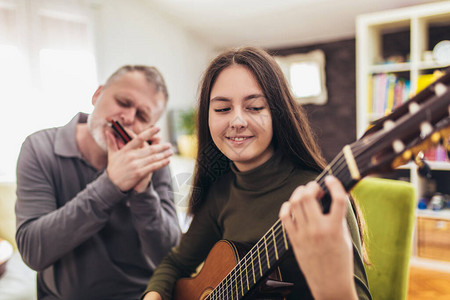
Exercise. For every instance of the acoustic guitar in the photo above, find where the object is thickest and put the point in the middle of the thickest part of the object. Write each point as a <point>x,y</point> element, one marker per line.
<point>394,140</point>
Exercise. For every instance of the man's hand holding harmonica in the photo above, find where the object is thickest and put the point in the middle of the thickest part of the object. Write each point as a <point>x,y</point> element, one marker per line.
<point>131,166</point>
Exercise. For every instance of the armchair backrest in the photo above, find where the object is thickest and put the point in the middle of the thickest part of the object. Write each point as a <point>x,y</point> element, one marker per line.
<point>388,207</point>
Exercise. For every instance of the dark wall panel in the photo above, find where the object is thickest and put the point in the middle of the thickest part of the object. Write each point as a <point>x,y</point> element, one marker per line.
<point>334,122</point>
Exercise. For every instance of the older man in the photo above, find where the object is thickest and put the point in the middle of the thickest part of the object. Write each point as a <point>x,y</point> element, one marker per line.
<point>95,215</point>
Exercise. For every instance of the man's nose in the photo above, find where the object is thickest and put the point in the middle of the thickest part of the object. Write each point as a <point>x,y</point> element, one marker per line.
<point>127,116</point>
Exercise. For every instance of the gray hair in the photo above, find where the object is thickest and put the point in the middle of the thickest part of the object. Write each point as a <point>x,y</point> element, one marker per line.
<point>151,74</point>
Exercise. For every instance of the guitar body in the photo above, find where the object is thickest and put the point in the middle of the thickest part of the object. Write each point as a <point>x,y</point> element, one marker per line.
<point>222,258</point>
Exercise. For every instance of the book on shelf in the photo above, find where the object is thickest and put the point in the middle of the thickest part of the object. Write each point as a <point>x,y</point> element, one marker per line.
<point>386,92</point>
<point>391,83</point>
<point>437,153</point>
<point>426,79</point>
<point>369,94</point>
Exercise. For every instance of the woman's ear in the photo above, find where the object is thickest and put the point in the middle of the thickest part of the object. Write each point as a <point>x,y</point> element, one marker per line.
<point>96,94</point>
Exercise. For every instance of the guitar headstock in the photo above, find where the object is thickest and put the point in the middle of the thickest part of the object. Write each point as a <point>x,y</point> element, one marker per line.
<point>418,124</point>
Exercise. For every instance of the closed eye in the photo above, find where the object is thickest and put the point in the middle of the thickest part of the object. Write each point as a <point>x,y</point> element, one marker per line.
<point>222,109</point>
<point>123,103</point>
<point>143,116</point>
<point>256,108</point>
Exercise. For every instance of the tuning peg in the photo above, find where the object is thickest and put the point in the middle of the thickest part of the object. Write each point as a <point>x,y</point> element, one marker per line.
<point>440,89</point>
<point>413,107</point>
<point>424,169</point>
<point>398,146</point>
<point>425,129</point>
<point>436,138</point>
<point>388,125</point>
<point>407,155</point>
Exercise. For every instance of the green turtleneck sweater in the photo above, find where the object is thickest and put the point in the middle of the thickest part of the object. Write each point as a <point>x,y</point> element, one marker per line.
<point>241,207</point>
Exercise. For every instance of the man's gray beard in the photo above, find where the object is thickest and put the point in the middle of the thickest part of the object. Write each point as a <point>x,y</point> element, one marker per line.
<point>95,127</point>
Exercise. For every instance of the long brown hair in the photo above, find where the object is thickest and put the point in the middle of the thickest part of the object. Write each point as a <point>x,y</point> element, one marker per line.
<point>292,134</point>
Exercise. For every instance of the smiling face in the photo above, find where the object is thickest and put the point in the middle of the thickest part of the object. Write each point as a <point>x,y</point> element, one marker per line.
<point>129,99</point>
<point>239,118</point>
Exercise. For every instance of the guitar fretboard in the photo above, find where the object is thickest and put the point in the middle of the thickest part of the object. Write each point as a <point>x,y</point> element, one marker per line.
<point>408,126</point>
<point>271,248</point>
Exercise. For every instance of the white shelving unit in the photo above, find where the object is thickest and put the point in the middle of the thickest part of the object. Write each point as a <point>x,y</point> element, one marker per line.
<point>370,30</point>
<point>417,181</point>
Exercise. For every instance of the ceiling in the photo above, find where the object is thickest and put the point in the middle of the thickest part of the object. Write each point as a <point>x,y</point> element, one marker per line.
<point>271,23</point>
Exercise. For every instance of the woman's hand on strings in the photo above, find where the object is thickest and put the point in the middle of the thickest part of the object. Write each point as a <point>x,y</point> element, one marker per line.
<point>321,242</point>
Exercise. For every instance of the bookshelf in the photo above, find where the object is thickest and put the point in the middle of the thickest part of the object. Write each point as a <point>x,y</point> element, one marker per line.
<point>394,60</point>
<point>410,63</point>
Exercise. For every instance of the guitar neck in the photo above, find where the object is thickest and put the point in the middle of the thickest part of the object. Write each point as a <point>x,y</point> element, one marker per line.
<point>424,117</point>
<point>342,167</point>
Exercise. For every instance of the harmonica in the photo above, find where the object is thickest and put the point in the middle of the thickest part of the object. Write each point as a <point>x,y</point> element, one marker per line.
<point>121,132</point>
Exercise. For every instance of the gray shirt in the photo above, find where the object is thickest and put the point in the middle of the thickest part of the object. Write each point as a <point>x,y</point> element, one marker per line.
<point>86,238</point>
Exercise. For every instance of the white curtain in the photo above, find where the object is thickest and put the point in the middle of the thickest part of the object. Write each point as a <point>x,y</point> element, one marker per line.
<point>47,69</point>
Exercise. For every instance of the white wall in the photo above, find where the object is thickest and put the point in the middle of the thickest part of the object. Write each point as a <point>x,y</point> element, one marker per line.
<point>132,32</point>
<point>125,32</point>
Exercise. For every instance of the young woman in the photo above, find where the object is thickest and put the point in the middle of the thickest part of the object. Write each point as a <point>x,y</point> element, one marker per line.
<point>255,149</point>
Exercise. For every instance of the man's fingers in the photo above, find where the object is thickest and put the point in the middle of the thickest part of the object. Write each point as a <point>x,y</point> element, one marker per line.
<point>147,134</point>
<point>155,166</point>
<point>155,140</point>
<point>149,159</point>
<point>153,150</point>
<point>160,148</point>
<point>138,140</point>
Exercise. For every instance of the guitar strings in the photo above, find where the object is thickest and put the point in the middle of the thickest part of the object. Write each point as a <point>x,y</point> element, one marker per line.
<point>225,285</point>
<point>229,280</point>
<point>243,263</point>
<point>238,272</point>
<point>358,150</point>
<point>276,229</point>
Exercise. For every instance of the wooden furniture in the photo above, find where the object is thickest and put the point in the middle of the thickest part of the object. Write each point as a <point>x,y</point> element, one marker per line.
<point>433,235</point>
<point>428,284</point>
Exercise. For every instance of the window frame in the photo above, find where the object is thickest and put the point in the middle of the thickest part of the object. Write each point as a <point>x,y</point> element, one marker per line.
<point>316,57</point>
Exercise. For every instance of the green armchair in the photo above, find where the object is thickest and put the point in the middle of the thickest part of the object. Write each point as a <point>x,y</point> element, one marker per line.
<point>388,207</point>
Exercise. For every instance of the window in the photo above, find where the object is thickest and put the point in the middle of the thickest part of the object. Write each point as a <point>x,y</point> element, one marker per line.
<point>47,69</point>
<point>306,76</point>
